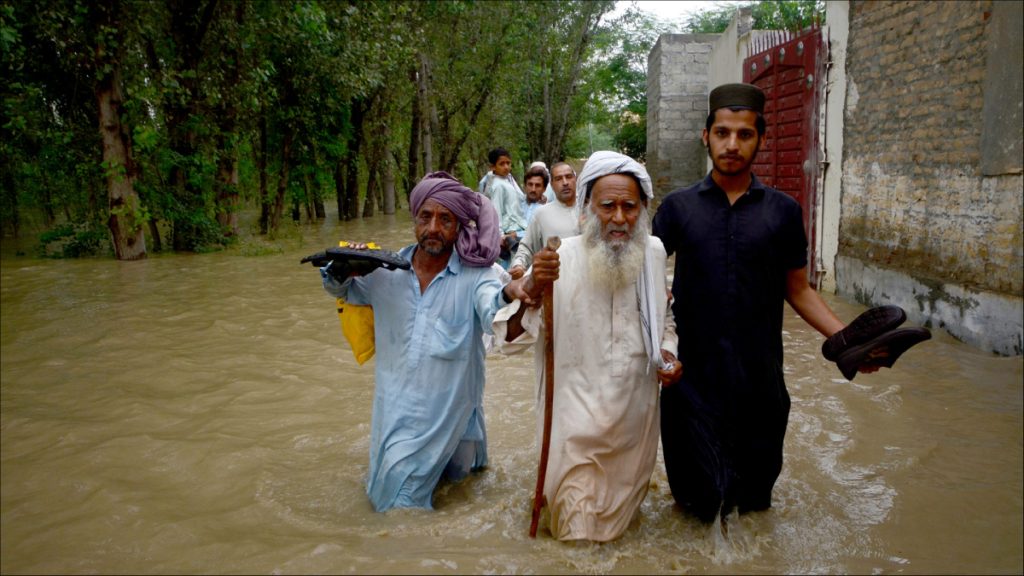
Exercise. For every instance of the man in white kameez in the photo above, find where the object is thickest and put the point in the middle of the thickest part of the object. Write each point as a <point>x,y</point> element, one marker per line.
<point>614,340</point>
<point>552,219</point>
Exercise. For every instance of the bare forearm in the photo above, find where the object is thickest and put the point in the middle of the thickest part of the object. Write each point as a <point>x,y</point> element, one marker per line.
<point>514,329</point>
<point>530,288</point>
<point>809,304</point>
<point>530,243</point>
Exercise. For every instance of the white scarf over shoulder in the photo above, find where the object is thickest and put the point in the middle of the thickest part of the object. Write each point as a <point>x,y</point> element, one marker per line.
<point>602,164</point>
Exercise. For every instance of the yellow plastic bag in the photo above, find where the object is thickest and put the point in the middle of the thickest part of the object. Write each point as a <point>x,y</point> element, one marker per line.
<point>357,321</point>
<point>357,325</point>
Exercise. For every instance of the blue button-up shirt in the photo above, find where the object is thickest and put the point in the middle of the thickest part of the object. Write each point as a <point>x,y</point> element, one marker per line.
<point>429,373</point>
<point>529,210</point>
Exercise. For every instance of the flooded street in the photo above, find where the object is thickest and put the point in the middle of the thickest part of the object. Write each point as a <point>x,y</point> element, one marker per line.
<point>203,413</point>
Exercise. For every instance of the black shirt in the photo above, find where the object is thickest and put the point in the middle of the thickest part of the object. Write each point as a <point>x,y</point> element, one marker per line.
<point>730,277</point>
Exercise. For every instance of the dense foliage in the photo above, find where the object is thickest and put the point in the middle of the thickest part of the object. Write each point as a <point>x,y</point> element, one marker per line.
<point>770,15</point>
<point>138,125</point>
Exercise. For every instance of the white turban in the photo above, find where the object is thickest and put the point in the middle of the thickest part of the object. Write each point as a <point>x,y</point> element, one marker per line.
<point>647,287</point>
<point>607,162</point>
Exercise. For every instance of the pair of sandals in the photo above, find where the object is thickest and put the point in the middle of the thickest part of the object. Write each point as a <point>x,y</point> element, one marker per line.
<point>872,339</point>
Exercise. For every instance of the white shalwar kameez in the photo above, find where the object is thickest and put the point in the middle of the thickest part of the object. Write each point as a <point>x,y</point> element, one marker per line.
<point>605,429</point>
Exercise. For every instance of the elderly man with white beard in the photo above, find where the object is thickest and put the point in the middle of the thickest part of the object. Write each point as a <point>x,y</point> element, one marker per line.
<point>614,341</point>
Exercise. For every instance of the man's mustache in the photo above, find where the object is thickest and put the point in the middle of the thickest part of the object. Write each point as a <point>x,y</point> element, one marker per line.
<point>618,228</point>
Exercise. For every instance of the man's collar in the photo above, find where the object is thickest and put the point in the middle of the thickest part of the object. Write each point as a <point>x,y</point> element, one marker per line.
<point>454,261</point>
<point>756,189</point>
<point>707,184</point>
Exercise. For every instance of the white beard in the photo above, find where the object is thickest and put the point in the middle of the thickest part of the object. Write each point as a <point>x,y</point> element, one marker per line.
<point>615,263</point>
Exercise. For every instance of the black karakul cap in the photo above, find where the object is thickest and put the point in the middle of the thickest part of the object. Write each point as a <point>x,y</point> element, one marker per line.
<point>737,96</point>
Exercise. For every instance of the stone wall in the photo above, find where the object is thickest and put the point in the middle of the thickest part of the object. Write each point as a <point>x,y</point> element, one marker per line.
<point>921,221</point>
<point>677,105</point>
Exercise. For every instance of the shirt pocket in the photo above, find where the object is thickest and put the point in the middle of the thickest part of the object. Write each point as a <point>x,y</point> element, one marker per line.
<point>451,339</point>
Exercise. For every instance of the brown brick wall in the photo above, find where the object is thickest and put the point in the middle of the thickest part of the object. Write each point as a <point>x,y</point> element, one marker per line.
<point>914,198</point>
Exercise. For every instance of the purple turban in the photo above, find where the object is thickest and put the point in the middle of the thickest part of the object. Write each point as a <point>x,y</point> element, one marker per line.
<point>479,241</point>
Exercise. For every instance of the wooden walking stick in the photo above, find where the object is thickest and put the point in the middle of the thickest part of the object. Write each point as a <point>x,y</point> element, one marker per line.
<point>549,393</point>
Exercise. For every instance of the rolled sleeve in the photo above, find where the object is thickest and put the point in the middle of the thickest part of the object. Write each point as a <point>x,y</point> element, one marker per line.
<point>532,322</point>
<point>352,289</point>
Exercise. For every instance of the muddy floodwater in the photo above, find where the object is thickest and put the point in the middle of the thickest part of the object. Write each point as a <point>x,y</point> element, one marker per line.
<point>203,414</point>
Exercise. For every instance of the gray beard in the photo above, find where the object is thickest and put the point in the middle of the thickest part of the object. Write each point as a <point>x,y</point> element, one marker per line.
<point>613,263</point>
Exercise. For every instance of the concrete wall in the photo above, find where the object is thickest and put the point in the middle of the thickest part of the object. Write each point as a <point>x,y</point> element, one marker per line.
<point>729,50</point>
<point>836,33</point>
<point>677,105</point>
<point>681,70</point>
<point>922,223</point>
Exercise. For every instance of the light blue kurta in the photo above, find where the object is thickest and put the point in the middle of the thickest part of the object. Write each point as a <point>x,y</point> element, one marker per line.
<point>505,197</point>
<point>429,373</point>
<point>529,211</point>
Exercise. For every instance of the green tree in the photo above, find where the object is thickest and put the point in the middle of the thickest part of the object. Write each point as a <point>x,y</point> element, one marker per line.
<point>209,107</point>
<point>616,94</point>
<point>496,74</point>
<point>127,220</point>
<point>565,48</point>
<point>766,14</point>
<point>67,140</point>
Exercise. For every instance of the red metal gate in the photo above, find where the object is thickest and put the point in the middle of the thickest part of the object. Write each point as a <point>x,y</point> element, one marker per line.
<point>790,69</point>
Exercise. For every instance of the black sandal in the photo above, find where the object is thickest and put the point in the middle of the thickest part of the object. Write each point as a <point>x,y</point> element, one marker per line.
<point>882,350</point>
<point>870,324</point>
<point>360,262</point>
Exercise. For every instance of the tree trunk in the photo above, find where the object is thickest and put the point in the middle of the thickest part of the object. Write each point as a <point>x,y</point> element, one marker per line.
<point>261,165</point>
<point>48,203</point>
<point>309,197</point>
<point>282,184</point>
<point>339,189</point>
<point>572,81</point>
<point>318,206</point>
<point>371,193</point>
<point>414,136</point>
<point>375,153</point>
<point>427,117</point>
<point>10,201</point>
<point>154,233</point>
<point>227,194</point>
<point>389,186</point>
<point>352,165</point>
<point>317,197</point>
<point>227,163</point>
<point>352,185</point>
<point>126,222</point>
<point>547,114</point>
<point>453,145</point>
<point>190,22</point>
<point>378,193</point>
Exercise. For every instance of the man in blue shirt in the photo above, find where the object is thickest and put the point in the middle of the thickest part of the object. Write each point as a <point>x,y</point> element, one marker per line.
<point>535,180</point>
<point>428,418</point>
